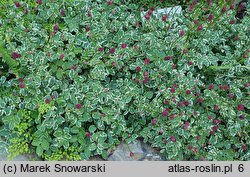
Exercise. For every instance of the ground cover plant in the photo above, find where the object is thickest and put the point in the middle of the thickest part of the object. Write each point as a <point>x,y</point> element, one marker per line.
<point>79,77</point>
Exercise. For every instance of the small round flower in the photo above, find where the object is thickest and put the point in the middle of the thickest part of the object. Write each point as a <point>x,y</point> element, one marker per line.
<point>146,61</point>
<point>196,21</point>
<point>190,63</point>
<point>173,139</point>
<point>172,90</point>
<point>210,117</point>
<point>188,92</point>
<point>232,6</point>
<point>215,128</point>
<point>216,107</point>
<point>164,17</point>
<point>186,102</point>
<point>53,96</point>
<point>17,4</point>
<point>124,45</point>
<point>166,102</point>
<point>154,121</point>
<point>200,100</point>
<point>88,134</point>
<point>113,63</point>
<point>100,49</point>
<point>165,141</point>
<point>216,121</point>
<point>211,87</point>
<point>210,17</point>
<point>62,12</point>
<point>231,95</point>
<point>21,85</point>
<point>242,117</point>
<point>165,113</point>
<point>89,14</point>
<point>150,12</point>
<point>185,51</point>
<point>168,58</point>
<point>131,154</point>
<point>190,147</point>
<point>20,79</point>
<point>244,147</point>
<point>231,22</point>
<point>56,27</point>
<point>182,33</point>
<point>61,56</point>
<point>173,66</point>
<point>112,50</point>
<point>47,100</point>
<point>15,55</point>
<point>241,107</point>
<point>224,9</point>
<point>199,28</point>
<point>147,16</point>
<point>138,68</point>
<point>244,56</point>
<point>39,2</point>
<point>78,106</point>
<point>198,137</point>
<point>26,11</point>
<point>211,132</point>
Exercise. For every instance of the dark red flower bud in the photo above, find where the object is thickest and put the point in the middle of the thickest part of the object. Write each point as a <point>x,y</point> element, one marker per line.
<point>215,128</point>
<point>172,90</point>
<point>20,79</point>
<point>146,61</point>
<point>62,12</point>
<point>232,6</point>
<point>200,100</point>
<point>168,58</point>
<point>88,134</point>
<point>190,147</point>
<point>150,12</point>
<point>21,85</point>
<point>124,45</point>
<point>211,17</point>
<point>196,21</point>
<point>184,51</point>
<point>186,103</point>
<point>100,49</point>
<point>15,55</point>
<point>61,56</point>
<point>188,92</point>
<point>210,117</point>
<point>244,56</point>
<point>173,139</point>
<point>110,2</point>
<point>231,22</point>
<point>241,107</point>
<point>17,4</point>
<point>164,17</point>
<point>53,96</point>
<point>147,16</point>
<point>173,66</point>
<point>89,14</point>
<point>199,28</point>
<point>182,33</point>
<point>138,68</point>
<point>242,117</point>
<point>244,147</point>
<point>231,95</point>
<point>224,9</point>
<point>190,63</point>
<point>39,2</point>
<point>154,121</point>
<point>112,50</point>
<point>131,154</point>
<point>216,107</point>
<point>47,101</point>
<point>198,137</point>
<point>211,87</point>
<point>56,27</point>
<point>78,106</point>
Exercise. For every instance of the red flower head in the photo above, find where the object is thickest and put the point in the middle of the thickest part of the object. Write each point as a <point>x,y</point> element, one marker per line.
<point>224,9</point>
<point>173,139</point>
<point>39,2</point>
<point>182,33</point>
<point>15,55</point>
<point>124,45</point>
<point>199,28</point>
<point>17,4</point>
<point>56,27</point>
<point>154,121</point>
<point>138,68</point>
<point>146,61</point>
<point>21,85</point>
<point>164,17</point>
<point>241,107</point>
<point>112,50</point>
<point>61,56</point>
<point>62,12</point>
<point>88,134</point>
<point>47,101</point>
<point>78,106</point>
<point>211,17</point>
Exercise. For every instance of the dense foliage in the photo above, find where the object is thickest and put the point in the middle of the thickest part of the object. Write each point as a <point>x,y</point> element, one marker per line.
<point>79,77</point>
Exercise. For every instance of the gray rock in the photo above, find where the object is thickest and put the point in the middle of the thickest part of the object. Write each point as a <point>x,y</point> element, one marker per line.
<point>141,151</point>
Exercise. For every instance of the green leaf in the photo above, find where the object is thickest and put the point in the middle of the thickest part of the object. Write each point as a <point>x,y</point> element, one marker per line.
<point>39,150</point>
<point>92,128</point>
